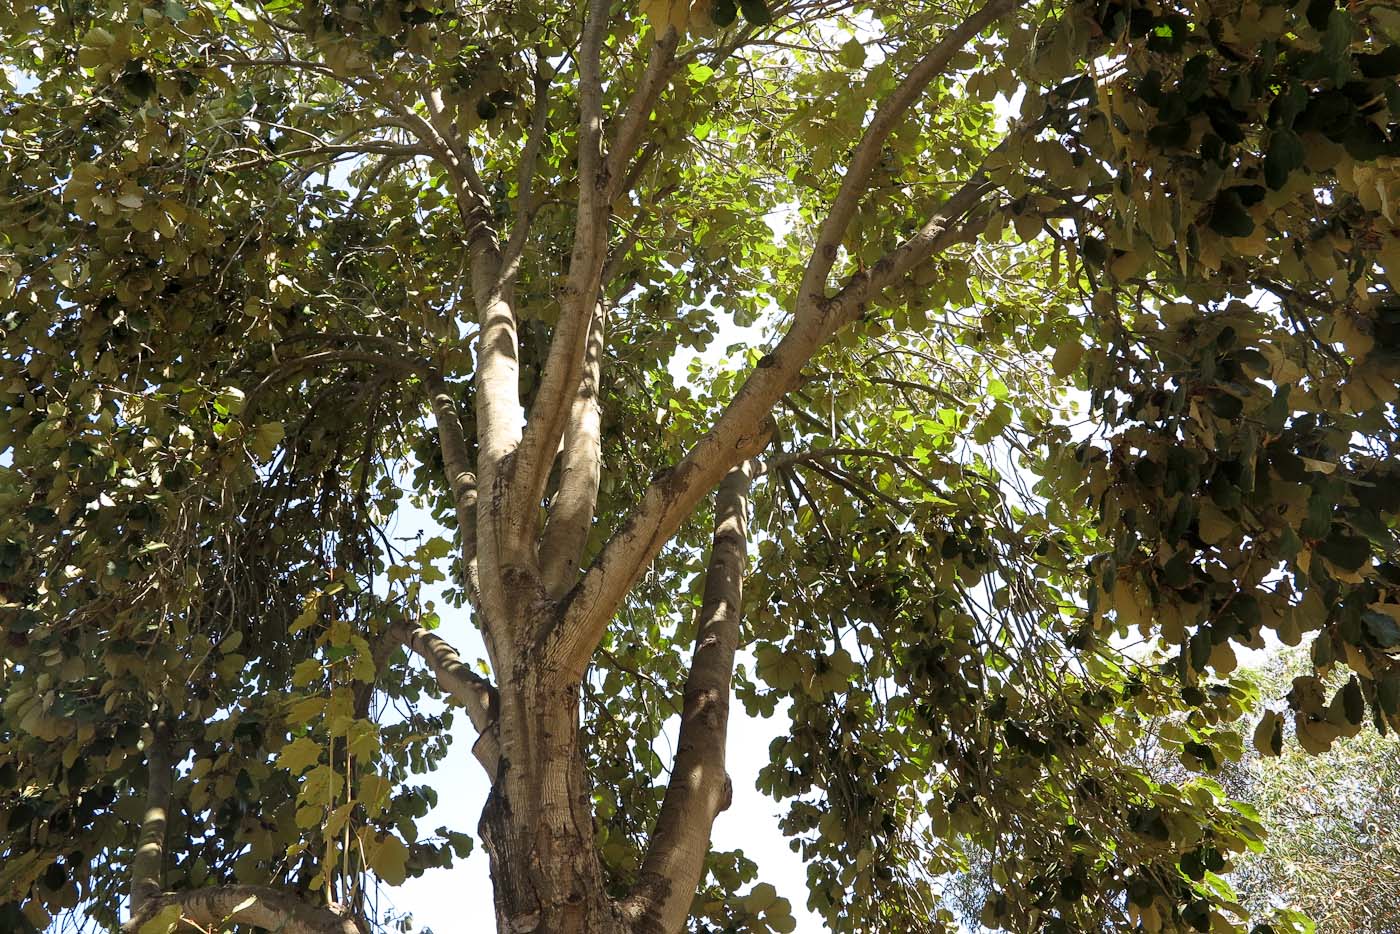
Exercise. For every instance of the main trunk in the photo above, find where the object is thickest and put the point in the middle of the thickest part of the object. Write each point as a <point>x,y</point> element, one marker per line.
<point>538,822</point>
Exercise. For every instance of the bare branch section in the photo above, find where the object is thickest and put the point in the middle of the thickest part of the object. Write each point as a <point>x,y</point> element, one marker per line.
<point>465,686</point>
<point>148,864</point>
<point>699,788</point>
<point>602,179</point>
<point>257,906</point>
<point>580,469</point>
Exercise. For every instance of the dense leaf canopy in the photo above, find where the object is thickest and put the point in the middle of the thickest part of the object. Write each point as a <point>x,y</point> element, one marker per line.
<point>1087,375</point>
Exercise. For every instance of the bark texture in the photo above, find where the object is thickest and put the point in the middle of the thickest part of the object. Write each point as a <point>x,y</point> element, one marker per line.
<point>537,826</point>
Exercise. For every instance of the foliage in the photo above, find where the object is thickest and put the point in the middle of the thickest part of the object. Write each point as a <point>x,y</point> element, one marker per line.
<point>269,271</point>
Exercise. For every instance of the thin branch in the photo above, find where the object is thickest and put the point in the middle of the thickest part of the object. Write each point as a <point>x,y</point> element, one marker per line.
<point>660,66</point>
<point>867,155</point>
<point>148,864</point>
<point>525,179</point>
<point>461,481</point>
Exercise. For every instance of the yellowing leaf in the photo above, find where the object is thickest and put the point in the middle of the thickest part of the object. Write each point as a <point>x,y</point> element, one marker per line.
<point>162,922</point>
<point>667,14</point>
<point>299,755</point>
<point>1067,357</point>
<point>388,857</point>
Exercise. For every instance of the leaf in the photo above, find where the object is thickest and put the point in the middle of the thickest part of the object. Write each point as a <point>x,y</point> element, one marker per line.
<point>388,857</point>
<point>1214,526</point>
<point>1268,735</point>
<point>374,793</point>
<point>299,755</point>
<point>851,54</point>
<point>1284,156</point>
<point>760,897</point>
<point>1229,217</point>
<point>265,439</point>
<point>756,12</point>
<point>248,902</point>
<point>667,14</point>
<point>1067,357</point>
<point>1348,552</point>
<point>1383,623</point>
<point>1353,705</point>
<point>164,921</point>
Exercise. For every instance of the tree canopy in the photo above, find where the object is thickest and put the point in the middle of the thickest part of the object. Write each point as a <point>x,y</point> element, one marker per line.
<point>1081,364</point>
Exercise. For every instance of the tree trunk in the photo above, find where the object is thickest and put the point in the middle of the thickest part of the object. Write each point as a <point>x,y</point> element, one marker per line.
<point>537,825</point>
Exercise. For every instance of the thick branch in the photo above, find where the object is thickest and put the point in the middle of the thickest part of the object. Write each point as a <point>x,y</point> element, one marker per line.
<point>699,788</point>
<point>258,906</point>
<point>563,364</point>
<point>867,155</point>
<point>460,479</point>
<point>465,686</point>
<point>580,467</point>
<point>661,65</point>
<point>602,179</point>
<point>148,864</point>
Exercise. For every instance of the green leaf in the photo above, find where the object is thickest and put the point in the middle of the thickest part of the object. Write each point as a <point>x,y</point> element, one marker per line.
<point>851,54</point>
<point>265,439</point>
<point>164,921</point>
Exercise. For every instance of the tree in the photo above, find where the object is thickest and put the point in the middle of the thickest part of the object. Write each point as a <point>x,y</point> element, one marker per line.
<point>269,269</point>
<point>1334,853</point>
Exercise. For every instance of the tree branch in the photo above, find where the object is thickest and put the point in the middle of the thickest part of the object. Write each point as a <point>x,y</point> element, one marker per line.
<point>465,686</point>
<point>660,66</point>
<point>258,906</point>
<point>148,863</point>
<point>525,178</point>
<point>461,481</point>
<point>867,154</point>
<point>743,428</point>
<point>580,467</point>
<point>699,788</point>
<point>563,364</point>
